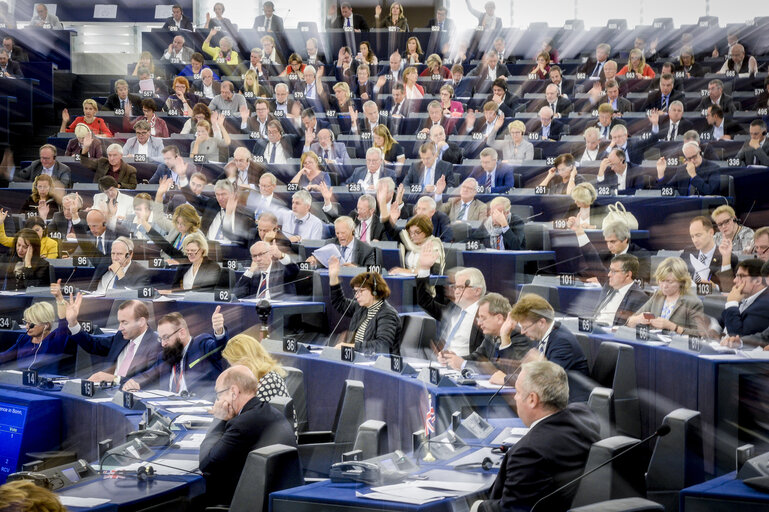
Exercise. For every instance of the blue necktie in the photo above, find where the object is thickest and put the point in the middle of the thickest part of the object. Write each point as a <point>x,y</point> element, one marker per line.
<point>272,153</point>
<point>343,252</point>
<point>488,180</point>
<point>454,329</point>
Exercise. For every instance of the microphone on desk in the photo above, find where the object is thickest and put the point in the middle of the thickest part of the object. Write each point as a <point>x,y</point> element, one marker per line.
<point>148,470</point>
<point>556,263</point>
<point>660,432</point>
<point>499,390</point>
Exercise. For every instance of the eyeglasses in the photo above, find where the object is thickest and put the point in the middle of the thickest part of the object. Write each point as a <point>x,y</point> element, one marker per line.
<point>30,325</point>
<point>168,336</point>
<point>723,223</point>
<point>220,391</point>
<point>358,291</point>
<point>191,252</point>
<point>616,271</point>
<point>761,249</point>
<point>691,158</point>
<point>259,254</point>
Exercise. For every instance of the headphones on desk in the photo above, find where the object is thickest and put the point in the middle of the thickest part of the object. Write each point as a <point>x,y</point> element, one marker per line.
<point>486,464</point>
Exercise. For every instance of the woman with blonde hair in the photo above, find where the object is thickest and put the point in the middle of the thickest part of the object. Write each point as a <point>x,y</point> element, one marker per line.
<point>514,148</point>
<point>42,200</point>
<point>245,350</point>
<point>637,64</point>
<point>341,101</point>
<point>397,17</point>
<point>310,174</point>
<point>673,307</point>
<point>434,67</point>
<point>252,88</point>
<point>582,210</point>
<point>392,151</point>
<point>96,124</point>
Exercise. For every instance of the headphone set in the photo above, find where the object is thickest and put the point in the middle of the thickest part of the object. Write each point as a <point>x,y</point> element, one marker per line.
<point>143,474</point>
<point>374,290</point>
<point>486,464</point>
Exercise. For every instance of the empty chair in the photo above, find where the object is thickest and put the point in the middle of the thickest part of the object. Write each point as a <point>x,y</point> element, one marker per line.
<point>417,331</point>
<point>372,439</point>
<point>295,385</point>
<point>622,505</point>
<point>318,450</point>
<point>614,368</point>
<point>600,403</point>
<point>267,470</point>
<point>676,461</point>
<point>537,237</point>
<point>622,478</point>
<point>524,211</point>
<point>285,405</point>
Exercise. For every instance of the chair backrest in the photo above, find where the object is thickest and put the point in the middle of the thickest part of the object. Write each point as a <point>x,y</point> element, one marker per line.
<point>537,238</point>
<point>267,470</point>
<point>676,461</point>
<point>600,402</point>
<point>285,405</point>
<point>622,505</point>
<point>622,478</point>
<point>460,231</point>
<point>295,385</point>
<point>549,293</point>
<point>416,334</point>
<point>372,439</point>
<point>614,367</point>
<point>349,413</point>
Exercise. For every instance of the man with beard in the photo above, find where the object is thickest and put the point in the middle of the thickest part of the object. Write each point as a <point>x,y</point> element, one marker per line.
<point>186,363</point>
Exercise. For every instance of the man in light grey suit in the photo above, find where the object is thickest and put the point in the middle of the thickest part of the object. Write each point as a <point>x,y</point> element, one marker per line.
<point>465,207</point>
<point>42,18</point>
<point>331,152</point>
<point>47,164</point>
<point>177,52</point>
<point>144,144</point>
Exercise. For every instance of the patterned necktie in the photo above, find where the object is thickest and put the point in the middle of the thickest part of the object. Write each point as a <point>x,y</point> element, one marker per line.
<point>177,377</point>
<point>122,104</point>
<point>272,153</point>
<point>500,243</point>
<point>262,285</point>
<point>488,180</point>
<point>325,154</point>
<point>363,231</point>
<point>463,211</point>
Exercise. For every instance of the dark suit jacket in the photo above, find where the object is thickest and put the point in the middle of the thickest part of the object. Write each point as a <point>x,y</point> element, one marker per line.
<point>716,276</point>
<point>489,357</point>
<point>111,347</point>
<point>360,174</point>
<point>437,308</point>
<point>61,172</point>
<point>597,264</point>
<point>623,104</point>
<point>185,23</point>
<point>634,152</point>
<point>382,334</point>
<point>363,254</point>
<point>514,238</point>
<point>706,183</point>
<point>416,174</point>
<point>589,66</point>
<point>448,25</point>
<point>753,320</point>
<point>200,378</point>
<point>556,129</point>
<point>209,276</point>
<point>207,207</point>
<point>551,454</point>
<point>453,154</point>
<point>227,444</point>
<point>503,179</point>
<point>726,104</point>
<point>634,180</point>
<point>14,69</point>
<point>564,350</point>
<point>683,126</point>
<point>358,23</point>
<point>276,24</point>
<point>126,176</point>
<point>654,99</point>
<point>247,287</point>
<point>113,103</point>
<point>749,156</point>
<point>38,275</point>
<point>135,277</point>
<point>631,302</point>
<point>562,106</point>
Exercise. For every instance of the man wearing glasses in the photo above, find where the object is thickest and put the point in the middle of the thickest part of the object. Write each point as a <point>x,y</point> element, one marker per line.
<point>705,260</point>
<point>186,363</point>
<point>243,423</point>
<point>621,297</point>
<point>269,269</point>
<point>699,177</point>
<point>535,317</point>
<point>121,273</point>
<point>760,245</point>
<point>747,305</point>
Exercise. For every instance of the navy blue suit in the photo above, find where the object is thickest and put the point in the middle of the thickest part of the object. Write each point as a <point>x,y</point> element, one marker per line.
<point>359,174</point>
<point>279,274</point>
<point>753,320</point>
<point>161,172</point>
<point>556,130</point>
<point>416,172</point>
<point>55,355</point>
<point>503,179</point>
<point>707,182</point>
<point>563,349</point>
<point>513,239</point>
<point>111,347</point>
<point>198,379</point>
<point>634,180</point>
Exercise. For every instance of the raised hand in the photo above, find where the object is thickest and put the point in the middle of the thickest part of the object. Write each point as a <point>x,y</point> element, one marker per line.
<point>43,209</point>
<point>56,290</point>
<point>217,321</point>
<point>427,257</point>
<point>65,116</point>
<point>440,185</point>
<point>73,309</point>
<point>654,117</point>
<point>662,165</point>
<point>3,215</point>
<point>333,270</point>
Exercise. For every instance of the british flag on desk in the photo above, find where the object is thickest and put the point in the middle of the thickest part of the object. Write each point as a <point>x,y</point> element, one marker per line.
<point>430,416</point>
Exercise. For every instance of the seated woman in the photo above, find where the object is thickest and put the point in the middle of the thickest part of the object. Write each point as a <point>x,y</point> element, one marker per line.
<point>413,53</point>
<point>205,144</point>
<point>245,350</point>
<point>687,65</point>
<point>435,67</point>
<point>417,235</point>
<point>200,273</point>
<point>393,152</point>
<point>182,100</point>
<point>145,61</point>
<point>673,307</point>
<point>227,58</point>
<point>142,207</point>
<point>252,88</point>
<point>365,55</point>
<point>113,165</point>
<point>49,248</point>
<point>567,177</point>
<point>158,126</point>
<point>543,66</point>
<point>220,21</point>
<point>42,201</point>
<point>341,101</point>
<point>413,90</point>
<point>637,65</point>
<point>582,211</point>
<point>24,268</point>
<point>363,87</point>
<point>96,124</point>
<point>200,112</point>
<point>295,66</point>
<point>375,325</point>
<point>397,17</point>
<point>169,235</point>
<point>514,148</point>
<point>75,144</point>
<point>46,345</point>
<point>451,108</point>
<point>310,176</point>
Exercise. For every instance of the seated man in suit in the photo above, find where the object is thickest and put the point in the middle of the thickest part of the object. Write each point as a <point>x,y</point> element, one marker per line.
<point>619,140</point>
<point>62,224</point>
<point>186,363</point>
<point>671,127</point>
<point>177,21</point>
<point>547,128</point>
<point>435,117</point>
<point>621,296</point>
<point>270,269</point>
<point>173,166</point>
<point>354,253</point>
<point>46,164</point>
<point>133,349</point>
<point>756,150</point>
<point>559,105</point>
<point>269,21</point>
<point>535,317</point>
<point>256,123</point>
<point>331,152</point>
<point>243,423</point>
<point>123,272</point>
<point>426,174</point>
<point>617,238</point>
<point>705,262</point>
<point>425,205</point>
<point>368,227</point>
<point>499,352</point>
<point>374,171</point>
<point>747,305</point>
<point>447,151</point>
<point>552,453</point>
<point>121,99</point>
<point>606,121</point>
<point>717,97</point>
<point>494,178</point>
<point>242,171</point>
<point>698,176</point>
<point>502,229</point>
<point>619,104</point>
<point>466,207</point>
<point>663,98</point>
<point>617,173</point>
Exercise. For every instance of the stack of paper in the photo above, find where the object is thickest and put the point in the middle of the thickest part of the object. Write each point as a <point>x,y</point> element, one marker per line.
<point>421,492</point>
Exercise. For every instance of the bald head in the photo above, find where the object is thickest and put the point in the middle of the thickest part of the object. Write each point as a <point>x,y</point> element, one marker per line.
<point>97,222</point>
<point>236,385</point>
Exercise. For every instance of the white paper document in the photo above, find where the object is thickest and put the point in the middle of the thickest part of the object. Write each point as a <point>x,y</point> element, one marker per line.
<point>155,393</point>
<point>323,254</point>
<point>421,491</point>
<point>191,441</point>
<point>488,385</point>
<point>74,501</point>
<point>171,403</point>
<point>190,409</point>
<point>700,268</point>
<point>184,418</point>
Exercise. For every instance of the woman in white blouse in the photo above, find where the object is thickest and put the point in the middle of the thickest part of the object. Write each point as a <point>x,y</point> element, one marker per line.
<point>583,211</point>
